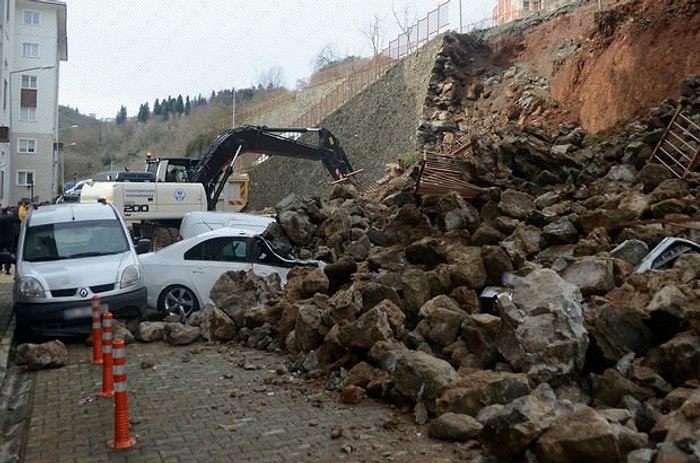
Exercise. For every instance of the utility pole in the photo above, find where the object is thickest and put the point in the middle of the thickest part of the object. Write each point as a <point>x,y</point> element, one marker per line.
<point>460,17</point>
<point>233,109</point>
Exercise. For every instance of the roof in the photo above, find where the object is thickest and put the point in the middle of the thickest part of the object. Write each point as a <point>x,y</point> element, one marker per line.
<point>68,212</point>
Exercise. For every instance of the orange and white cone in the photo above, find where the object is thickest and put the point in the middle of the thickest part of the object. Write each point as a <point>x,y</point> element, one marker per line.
<point>96,330</point>
<point>122,435</point>
<point>107,373</point>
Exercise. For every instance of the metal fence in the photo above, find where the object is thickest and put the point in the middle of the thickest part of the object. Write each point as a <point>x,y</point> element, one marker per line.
<point>417,35</point>
<point>369,71</point>
<point>366,72</point>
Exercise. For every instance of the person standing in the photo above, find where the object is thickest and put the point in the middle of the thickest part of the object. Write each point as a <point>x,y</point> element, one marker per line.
<point>22,210</point>
<point>16,226</point>
<point>7,240</point>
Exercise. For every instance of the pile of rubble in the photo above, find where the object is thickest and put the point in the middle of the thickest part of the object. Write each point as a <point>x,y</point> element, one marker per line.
<point>574,357</point>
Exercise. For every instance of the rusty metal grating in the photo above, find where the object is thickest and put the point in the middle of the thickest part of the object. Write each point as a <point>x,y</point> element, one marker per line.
<point>679,148</point>
<point>440,173</point>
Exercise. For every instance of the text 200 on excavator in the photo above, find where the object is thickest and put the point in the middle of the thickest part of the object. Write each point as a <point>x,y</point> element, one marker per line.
<point>154,204</point>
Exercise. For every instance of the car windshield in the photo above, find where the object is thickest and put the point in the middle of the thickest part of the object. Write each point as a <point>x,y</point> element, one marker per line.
<point>70,240</point>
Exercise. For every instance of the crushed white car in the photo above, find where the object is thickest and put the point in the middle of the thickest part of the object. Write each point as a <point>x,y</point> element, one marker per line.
<point>665,253</point>
<point>180,277</point>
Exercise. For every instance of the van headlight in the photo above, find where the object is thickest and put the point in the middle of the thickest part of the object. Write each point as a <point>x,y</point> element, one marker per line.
<point>130,276</point>
<point>31,288</point>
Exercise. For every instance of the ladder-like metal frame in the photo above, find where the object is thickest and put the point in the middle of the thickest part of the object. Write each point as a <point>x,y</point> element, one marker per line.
<point>679,147</point>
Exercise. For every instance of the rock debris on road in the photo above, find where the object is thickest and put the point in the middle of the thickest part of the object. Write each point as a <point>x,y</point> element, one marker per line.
<point>211,403</point>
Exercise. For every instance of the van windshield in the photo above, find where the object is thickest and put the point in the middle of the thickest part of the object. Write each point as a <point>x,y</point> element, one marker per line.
<point>69,240</point>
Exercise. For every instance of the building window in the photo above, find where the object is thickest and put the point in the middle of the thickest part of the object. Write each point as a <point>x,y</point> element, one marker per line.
<point>28,98</point>
<point>30,50</point>
<point>29,81</point>
<point>32,18</point>
<point>27,145</point>
<point>25,177</point>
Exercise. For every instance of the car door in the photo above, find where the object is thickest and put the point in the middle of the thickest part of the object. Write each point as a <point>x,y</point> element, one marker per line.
<point>210,258</point>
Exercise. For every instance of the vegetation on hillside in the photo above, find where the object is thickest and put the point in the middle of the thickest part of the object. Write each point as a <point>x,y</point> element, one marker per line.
<point>176,126</point>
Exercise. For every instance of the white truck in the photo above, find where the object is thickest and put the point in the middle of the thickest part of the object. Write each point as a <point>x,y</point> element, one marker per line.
<point>154,208</point>
<point>234,197</point>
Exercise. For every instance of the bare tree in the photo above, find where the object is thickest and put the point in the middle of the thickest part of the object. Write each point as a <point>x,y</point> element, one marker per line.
<point>373,33</point>
<point>328,55</point>
<point>404,18</point>
<point>271,78</point>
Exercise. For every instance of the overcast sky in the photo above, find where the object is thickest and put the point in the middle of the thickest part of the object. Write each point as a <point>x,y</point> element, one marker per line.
<point>130,52</point>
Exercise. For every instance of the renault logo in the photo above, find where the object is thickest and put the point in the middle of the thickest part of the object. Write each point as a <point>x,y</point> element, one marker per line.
<point>83,292</point>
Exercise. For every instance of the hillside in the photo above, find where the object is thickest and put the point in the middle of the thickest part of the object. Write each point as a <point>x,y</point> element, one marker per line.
<point>577,66</point>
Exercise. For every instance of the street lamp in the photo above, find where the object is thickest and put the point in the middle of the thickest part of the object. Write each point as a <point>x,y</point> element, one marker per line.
<point>7,167</point>
<point>59,148</point>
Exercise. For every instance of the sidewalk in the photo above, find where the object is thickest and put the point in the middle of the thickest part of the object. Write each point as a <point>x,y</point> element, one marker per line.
<point>199,403</point>
<point>6,321</point>
<point>208,403</point>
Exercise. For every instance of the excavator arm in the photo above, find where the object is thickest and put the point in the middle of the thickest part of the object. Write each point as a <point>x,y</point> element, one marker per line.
<point>216,165</point>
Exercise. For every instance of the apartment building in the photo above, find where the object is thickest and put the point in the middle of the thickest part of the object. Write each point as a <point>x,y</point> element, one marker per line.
<point>510,10</point>
<point>32,46</point>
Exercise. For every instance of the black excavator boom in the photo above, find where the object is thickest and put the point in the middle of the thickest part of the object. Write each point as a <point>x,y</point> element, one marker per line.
<point>216,164</point>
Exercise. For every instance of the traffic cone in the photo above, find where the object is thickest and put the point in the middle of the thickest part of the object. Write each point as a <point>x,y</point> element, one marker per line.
<point>122,434</point>
<point>96,330</point>
<point>107,373</point>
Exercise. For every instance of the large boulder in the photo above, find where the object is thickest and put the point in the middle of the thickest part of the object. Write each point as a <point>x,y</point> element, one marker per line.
<point>542,330</point>
<point>422,377</point>
<point>50,354</point>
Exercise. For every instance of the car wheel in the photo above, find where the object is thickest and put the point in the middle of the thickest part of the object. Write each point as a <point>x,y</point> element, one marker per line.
<point>179,301</point>
<point>162,237</point>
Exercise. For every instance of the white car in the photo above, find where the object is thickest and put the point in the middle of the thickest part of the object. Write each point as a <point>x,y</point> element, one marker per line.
<point>180,277</point>
<point>665,253</point>
<point>196,222</point>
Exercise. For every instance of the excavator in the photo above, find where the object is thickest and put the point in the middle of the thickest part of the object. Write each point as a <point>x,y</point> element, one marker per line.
<point>216,167</point>
<point>154,202</point>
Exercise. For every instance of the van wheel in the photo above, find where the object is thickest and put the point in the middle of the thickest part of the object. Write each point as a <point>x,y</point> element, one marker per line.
<point>162,237</point>
<point>179,301</point>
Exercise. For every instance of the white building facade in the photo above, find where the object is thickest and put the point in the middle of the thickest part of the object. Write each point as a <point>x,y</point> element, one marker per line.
<point>34,42</point>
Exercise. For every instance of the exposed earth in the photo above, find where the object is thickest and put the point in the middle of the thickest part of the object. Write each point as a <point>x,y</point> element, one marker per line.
<point>580,67</point>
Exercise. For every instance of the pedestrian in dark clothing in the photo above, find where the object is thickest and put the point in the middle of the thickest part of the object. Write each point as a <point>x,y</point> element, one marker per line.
<point>17,225</point>
<point>7,239</point>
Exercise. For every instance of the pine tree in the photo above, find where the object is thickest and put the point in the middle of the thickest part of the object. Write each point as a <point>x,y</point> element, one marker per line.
<point>121,115</point>
<point>144,113</point>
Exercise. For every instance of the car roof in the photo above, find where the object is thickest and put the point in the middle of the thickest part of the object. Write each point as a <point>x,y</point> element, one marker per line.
<point>68,212</point>
<point>227,215</point>
<point>226,231</point>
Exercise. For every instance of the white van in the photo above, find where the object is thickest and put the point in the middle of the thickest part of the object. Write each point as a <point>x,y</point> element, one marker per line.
<point>66,254</point>
<point>197,222</point>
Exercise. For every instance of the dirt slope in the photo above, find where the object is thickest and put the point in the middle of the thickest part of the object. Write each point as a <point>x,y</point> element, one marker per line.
<point>633,57</point>
<point>578,66</point>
